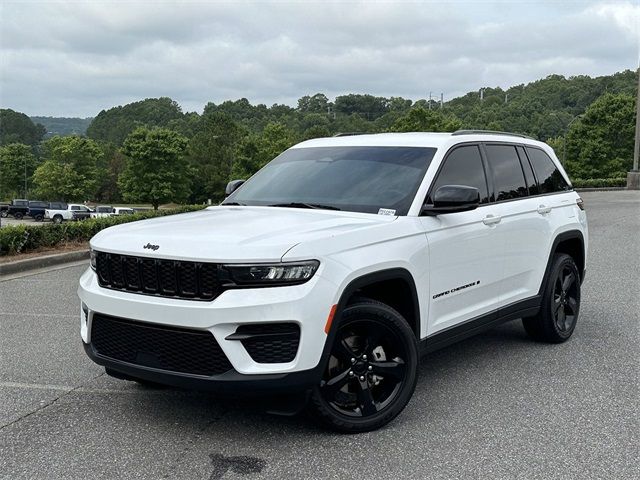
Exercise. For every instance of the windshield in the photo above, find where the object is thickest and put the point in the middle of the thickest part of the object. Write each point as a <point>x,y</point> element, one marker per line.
<point>358,179</point>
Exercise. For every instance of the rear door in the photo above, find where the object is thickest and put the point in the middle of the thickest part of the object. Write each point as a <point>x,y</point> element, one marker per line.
<point>465,248</point>
<point>525,227</point>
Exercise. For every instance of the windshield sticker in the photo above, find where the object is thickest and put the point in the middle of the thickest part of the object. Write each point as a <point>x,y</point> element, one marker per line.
<point>386,211</point>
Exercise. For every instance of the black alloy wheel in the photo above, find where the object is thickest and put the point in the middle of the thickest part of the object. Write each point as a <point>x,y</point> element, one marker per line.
<point>565,303</point>
<point>371,371</point>
<point>560,305</point>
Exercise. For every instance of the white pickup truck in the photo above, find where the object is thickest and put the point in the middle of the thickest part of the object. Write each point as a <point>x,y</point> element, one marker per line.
<point>102,211</point>
<point>73,211</point>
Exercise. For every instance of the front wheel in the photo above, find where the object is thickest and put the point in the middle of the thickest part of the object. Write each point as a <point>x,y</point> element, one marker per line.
<point>560,307</point>
<point>18,216</point>
<point>371,372</point>
<point>57,219</point>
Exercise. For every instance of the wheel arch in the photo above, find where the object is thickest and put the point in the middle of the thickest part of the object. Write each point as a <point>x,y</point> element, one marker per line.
<point>571,243</point>
<point>394,287</point>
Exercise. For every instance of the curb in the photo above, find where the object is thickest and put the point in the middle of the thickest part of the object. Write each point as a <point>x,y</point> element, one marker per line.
<point>42,262</point>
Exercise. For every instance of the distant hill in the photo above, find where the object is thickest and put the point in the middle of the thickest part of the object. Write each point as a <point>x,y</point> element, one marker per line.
<point>63,126</point>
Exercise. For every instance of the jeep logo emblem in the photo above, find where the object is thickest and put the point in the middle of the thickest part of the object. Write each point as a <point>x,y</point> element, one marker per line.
<point>151,247</point>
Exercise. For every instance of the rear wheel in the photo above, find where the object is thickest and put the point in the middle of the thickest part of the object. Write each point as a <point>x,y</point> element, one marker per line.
<point>372,370</point>
<point>560,303</point>
<point>57,219</point>
<point>3,214</point>
<point>18,216</point>
<point>38,218</point>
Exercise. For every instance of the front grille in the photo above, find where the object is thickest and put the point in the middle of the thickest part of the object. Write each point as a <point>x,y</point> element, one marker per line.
<point>270,343</point>
<point>164,278</point>
<point>166,348</point>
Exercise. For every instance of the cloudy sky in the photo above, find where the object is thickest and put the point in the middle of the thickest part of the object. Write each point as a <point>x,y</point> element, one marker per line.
<point>75,58</point>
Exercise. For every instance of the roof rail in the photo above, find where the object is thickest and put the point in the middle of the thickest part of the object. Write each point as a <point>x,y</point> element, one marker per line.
<point>490,132</point>
<point>349,134</point>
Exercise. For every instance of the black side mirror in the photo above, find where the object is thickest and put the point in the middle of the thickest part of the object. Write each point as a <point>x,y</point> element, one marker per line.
<point>452,199</point>
<point>232,186</point>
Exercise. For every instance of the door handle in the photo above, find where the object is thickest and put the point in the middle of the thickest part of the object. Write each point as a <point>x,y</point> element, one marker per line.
<point>543,209</point>
<point>491,219</point>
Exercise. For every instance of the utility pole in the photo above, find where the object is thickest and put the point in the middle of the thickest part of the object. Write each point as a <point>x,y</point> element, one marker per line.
<point>429,100</point>
<point>441,100</point>
<point>633,177</point>
<point>481,95</point>
<point>25,177</point>
<point>506,97</point>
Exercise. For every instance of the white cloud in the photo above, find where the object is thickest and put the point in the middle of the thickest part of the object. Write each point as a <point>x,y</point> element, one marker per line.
<point>75,58</point>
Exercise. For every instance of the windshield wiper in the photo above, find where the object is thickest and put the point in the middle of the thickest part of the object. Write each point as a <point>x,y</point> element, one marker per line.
<point>305,205</point>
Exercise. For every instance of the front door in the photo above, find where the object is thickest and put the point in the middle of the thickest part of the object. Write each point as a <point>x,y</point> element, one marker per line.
<point>465,248</point>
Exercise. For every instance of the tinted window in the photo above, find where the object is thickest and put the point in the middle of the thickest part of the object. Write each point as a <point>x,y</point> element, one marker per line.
<point>463,166</point>
<point>358,179</point>
<point>508,179</point>
<point>528,172</point>
<point>36,204</point>
<point>549,177</point>
<point>75,207</point>
<point>57,206</point>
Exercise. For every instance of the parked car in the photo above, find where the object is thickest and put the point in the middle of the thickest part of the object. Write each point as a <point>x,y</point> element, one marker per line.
<point>102,211</point>
<point>72,211</point>
<point>336,265</point>
<point>36,209</point>
<point>17,208</point>
<point>123,211</point>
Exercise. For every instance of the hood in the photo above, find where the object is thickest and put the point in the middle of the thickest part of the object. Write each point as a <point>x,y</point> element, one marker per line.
<point>230,234</point>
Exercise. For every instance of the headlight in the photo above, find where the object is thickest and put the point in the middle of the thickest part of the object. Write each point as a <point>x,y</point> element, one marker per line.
<point>93,256</point>
<point>273,274</point>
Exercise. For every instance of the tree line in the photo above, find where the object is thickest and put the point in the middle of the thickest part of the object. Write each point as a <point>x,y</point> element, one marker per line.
<point>151,151</point>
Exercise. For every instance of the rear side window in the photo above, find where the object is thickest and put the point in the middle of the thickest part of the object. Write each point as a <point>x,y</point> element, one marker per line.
<point>528,172</point>
<point>463,166</point>
<point>508,179</point>
<point>549,177</point>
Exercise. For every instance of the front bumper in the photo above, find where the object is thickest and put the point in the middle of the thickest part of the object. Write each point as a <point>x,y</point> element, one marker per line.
<point>307,305</point>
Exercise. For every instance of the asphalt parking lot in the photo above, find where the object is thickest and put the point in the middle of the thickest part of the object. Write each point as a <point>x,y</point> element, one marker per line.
<point>495,406</point>
<point>5,222</point>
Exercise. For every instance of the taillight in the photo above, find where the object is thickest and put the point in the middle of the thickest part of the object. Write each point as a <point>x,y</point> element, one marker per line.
<point>580,203</point>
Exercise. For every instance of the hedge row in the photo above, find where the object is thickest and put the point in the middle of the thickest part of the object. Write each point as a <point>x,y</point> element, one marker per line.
<point>599,182</point>
<point>24,238</point>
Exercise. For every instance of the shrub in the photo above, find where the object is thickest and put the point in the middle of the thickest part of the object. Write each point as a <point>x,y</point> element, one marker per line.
<point>25,238</point>
<point>599,182</point>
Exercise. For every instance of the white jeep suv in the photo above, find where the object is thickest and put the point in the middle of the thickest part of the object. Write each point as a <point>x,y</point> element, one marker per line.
<point>336,265</point>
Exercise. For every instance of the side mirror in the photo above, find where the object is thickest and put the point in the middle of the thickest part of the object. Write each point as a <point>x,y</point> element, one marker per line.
<point>232,186</point>
<point>452,199</point>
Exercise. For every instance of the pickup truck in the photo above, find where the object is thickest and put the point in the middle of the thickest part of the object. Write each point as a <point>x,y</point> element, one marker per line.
<point>73,211</point>
<point>18,208</point>
<point>36,209</point>
<point>102,211</point>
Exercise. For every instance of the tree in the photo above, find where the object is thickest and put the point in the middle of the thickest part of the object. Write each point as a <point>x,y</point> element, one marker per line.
<point>157,170</point>
<point>419,119</point>
<point>17,163</point>
<point>600,143</point>
<point>212,152</point>
<point>318,103</point>
<point>70,169</point>
<point>367,106</point>
<point>16,127</point>
<point>115,124</point>
<point>275,139</point>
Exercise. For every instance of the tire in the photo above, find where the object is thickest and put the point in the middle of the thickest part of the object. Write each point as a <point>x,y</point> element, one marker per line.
<point>57,219</point>
<point>560,306</point>
<point>371,373</point>
<point>18,216</point>
<point>38,218</point>
<point>3,214</point>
